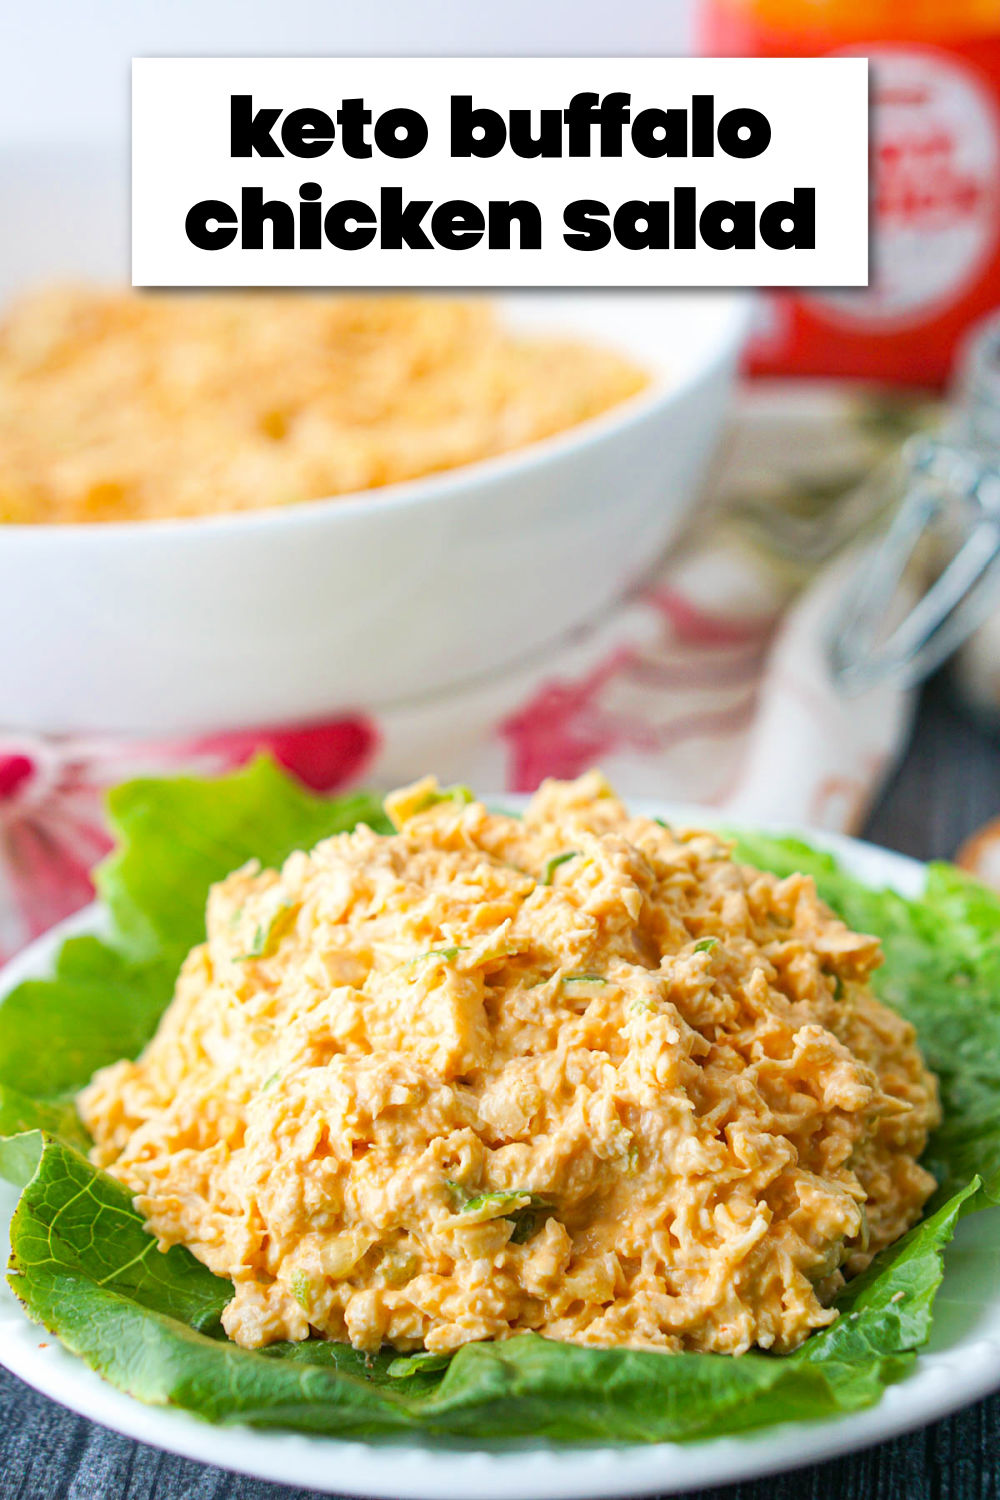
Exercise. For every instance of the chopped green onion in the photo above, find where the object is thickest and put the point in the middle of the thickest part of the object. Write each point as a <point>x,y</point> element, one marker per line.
<point>456,1189</point>
<point>499,1198</point>
<point>705,945</point>
<point>461,794</point>
<point>525,1226</point>
<point>269,1082</point>
<point>521,1203</point>
<point>405,804</point>
<point>444,955</point>
<point>399,1266</point>
<point>268,935</point>
<point>552,865</point>
<point>583,979</point>
<point>301,1288</point>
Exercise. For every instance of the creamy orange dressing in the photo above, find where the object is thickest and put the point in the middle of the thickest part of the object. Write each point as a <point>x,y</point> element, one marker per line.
<point>574,1073</point>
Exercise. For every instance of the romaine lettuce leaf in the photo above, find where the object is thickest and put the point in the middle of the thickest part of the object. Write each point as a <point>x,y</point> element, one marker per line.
<point>85,1268</point>
<point>174,838</point>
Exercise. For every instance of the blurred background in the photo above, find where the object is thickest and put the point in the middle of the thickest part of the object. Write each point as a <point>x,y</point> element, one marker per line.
<point>66,67</point>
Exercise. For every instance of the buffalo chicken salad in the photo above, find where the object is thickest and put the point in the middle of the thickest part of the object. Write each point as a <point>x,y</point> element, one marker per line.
<point>429,1115</point>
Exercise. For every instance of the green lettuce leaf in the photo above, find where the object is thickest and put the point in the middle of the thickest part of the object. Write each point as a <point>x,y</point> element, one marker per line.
<point>178,836</point>
<point>942,971</point>
<point>174,839</point>
<point>85,1268</point>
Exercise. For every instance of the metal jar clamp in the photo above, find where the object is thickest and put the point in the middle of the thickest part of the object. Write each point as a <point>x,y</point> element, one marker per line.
<point>950,487</point>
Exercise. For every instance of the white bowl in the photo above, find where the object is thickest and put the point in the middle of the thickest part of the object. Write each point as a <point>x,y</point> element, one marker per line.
<point>238,620</point>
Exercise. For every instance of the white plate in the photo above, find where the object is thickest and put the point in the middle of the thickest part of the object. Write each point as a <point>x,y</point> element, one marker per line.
<point>961,1364</point>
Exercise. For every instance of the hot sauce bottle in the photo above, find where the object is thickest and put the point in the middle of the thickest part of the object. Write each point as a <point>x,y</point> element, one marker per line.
<point>935,263</point>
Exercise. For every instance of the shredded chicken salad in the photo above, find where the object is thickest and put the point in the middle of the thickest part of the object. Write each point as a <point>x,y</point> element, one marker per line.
<point>577,1072</point>
<point>118,406</point>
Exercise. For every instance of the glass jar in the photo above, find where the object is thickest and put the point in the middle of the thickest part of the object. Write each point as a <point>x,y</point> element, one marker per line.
<point>947,514</point>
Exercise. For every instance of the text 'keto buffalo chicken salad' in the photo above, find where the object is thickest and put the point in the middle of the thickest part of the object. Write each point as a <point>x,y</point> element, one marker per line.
<point>454,1107</point>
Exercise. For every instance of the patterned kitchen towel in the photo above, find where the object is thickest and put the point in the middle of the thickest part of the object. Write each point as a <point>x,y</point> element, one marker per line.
<point>709,685</point>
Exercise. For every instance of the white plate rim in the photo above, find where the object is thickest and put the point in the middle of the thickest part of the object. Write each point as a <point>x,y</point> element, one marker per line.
<point>420,1470</point>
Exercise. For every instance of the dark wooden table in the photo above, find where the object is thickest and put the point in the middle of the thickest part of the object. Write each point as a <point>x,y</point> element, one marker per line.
<point>948,785</point>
